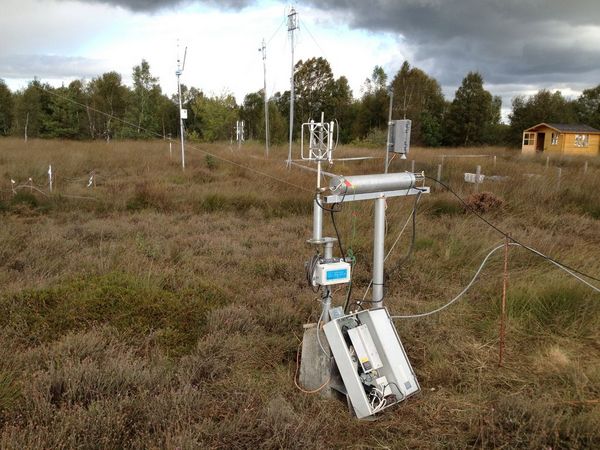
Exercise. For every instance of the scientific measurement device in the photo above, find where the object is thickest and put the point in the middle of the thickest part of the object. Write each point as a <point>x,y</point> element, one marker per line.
<point>371,360</point>
<point>328,272</point>
<point>371,367</point>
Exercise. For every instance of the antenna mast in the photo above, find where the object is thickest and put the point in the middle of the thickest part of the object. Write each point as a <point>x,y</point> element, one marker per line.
<point>292,26</point>
<point>182,112</point>
<point>263,49</point>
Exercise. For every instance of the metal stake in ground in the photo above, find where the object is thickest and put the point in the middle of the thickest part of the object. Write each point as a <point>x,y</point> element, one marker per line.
<point>503,308</point>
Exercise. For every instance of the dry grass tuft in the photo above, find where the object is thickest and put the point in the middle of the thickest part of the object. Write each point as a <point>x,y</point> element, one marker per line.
<point>483,202</point>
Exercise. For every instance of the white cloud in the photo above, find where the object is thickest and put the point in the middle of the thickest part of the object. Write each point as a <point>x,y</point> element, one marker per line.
<point>222,44</point>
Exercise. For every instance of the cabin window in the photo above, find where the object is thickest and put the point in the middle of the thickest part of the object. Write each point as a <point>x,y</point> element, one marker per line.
<point>555,138</point>
<point>528,138</point>
<point>582,140</point>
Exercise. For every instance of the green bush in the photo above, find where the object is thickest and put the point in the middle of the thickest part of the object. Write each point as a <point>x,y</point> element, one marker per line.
<point>25,198</point>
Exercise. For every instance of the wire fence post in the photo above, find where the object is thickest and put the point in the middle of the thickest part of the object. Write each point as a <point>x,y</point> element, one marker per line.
<point>547,162</point>
<point>439,173</point>
<point>585,168</point>
<point>503,306</point>
<point>494,161</point>
<point>477,178</point>
<point>50,177</point>
<point>559,177</point>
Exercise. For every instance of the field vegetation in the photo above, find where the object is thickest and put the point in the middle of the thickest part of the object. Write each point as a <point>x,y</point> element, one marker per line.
<point>163,308</point>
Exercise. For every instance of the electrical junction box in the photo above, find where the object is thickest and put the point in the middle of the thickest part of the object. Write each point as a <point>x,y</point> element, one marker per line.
<point>400,136</point>
<point>331,272</point>
<point>184,113</point>
<point>370,336</point>
<point>364,348</point>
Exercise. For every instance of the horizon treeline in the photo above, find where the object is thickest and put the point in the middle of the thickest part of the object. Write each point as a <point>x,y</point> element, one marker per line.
<point>105,108</point>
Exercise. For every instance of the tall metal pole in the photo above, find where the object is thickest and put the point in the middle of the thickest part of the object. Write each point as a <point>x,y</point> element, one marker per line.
<point>317,210</point>
<point>179,71</point>
<point>378,252</point>
<point>389,137</point>
<point>264,57</point>
<point>180,120</point>
<point>292,26</point>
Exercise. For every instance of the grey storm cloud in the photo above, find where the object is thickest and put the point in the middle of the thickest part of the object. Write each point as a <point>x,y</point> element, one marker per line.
<point>155,5</point>
<point>509,41</point>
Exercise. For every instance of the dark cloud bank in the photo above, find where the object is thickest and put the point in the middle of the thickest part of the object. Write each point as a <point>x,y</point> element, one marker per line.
<point>517,42</point>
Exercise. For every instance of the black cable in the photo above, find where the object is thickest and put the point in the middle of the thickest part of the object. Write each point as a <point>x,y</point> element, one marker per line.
<point>414,232</point>
<point>337,234</point>
<point>505,234</point>
<point>348,294</point>
<point>333,208</point>
<point>310,270</point>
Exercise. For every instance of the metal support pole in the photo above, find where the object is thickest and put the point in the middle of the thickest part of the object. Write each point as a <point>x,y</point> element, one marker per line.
<point>317,219</point>
<point>378,252</point>
<point>292,26</point>
<point>264,56</point>
<point>389,135</point>
<point>181,124</point>
<point>439,173</point>
<point>317,210</point>
<point>326,298</point>
<point>477,178</point>
<point>547,161</point>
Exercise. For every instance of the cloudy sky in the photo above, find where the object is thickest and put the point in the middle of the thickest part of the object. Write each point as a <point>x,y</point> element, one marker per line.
<point>519,46</point>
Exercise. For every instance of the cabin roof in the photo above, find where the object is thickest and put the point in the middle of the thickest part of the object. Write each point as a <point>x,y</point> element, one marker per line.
<point>567,128</point>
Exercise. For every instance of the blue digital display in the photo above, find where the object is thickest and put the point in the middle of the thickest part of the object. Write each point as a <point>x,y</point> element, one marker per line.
<point>339,274</point>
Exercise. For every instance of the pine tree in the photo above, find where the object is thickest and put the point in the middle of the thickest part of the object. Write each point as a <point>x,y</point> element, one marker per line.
<point>471,113</point>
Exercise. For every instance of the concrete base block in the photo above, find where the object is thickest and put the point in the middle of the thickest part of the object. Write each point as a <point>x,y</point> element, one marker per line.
<point>315,366</point>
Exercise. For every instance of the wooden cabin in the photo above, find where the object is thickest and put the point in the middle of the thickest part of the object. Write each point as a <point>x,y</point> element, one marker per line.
<point>560,138</point>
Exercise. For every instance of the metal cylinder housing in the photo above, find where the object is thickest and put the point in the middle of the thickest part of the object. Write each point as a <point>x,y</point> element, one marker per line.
<point>366,184</point>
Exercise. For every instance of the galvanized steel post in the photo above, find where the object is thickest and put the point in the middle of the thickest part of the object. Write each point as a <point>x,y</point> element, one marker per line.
<point>378,251</point>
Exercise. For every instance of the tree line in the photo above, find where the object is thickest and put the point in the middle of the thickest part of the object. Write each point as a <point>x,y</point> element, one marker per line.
<point>105,108</point>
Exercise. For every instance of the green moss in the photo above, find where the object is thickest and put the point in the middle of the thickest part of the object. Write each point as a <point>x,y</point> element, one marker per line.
<point>25,198</point>
<point>442,206</point>
<point>551,308</point>
<point>244,202</point>
<point>424,243</point>
<point>120,300</point>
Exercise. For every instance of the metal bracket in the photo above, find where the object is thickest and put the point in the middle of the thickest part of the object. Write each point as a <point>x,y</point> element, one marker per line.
<point>374,195</point>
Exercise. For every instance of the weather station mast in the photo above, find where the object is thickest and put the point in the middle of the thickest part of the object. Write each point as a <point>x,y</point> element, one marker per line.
<point>263,50</point>
<point>182,112</point>
<point>292,26</point>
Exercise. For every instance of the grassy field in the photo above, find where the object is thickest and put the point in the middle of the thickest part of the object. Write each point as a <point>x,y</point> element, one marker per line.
<point>164,309</point>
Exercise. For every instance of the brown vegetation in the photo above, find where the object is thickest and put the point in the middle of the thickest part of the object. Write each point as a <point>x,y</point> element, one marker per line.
<point>163,309</point>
